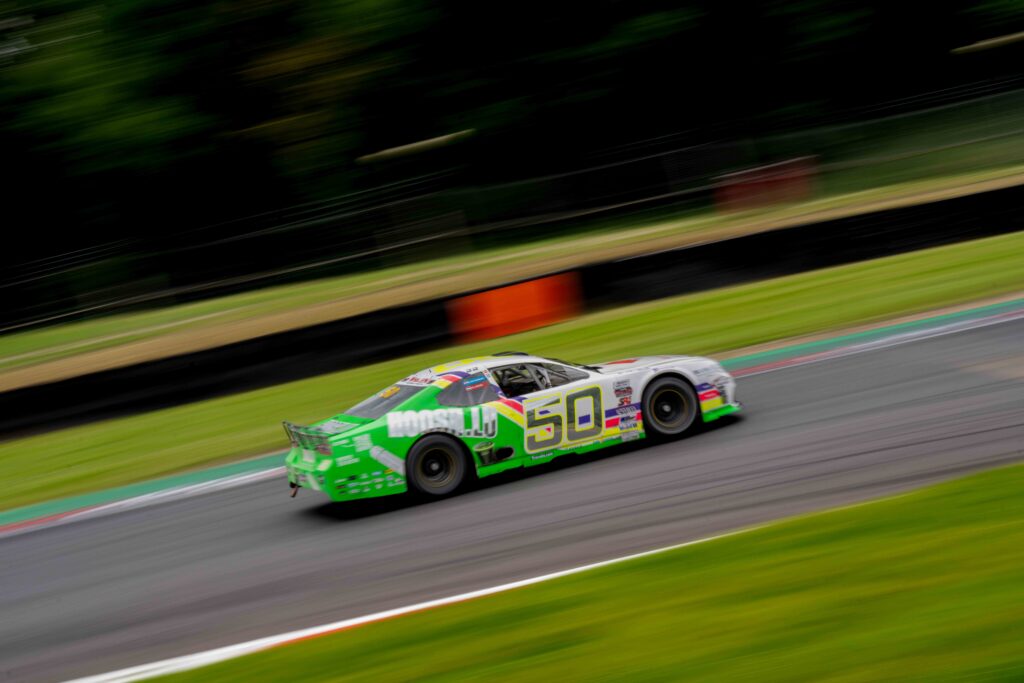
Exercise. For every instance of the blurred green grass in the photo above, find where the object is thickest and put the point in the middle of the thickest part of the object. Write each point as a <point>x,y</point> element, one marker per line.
<point>927,587</point>
<point>38,346</point>
<point>115,452</point>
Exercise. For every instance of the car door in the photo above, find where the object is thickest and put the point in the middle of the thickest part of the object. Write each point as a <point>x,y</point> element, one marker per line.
<point>566,415</point>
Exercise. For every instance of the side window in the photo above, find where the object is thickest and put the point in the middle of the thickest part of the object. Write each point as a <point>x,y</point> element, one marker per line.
<point>516,380</point>
<point>561,374</point>
<point>469,391</point>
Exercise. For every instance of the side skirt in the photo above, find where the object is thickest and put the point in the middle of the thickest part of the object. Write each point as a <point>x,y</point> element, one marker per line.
<point>712,415</point>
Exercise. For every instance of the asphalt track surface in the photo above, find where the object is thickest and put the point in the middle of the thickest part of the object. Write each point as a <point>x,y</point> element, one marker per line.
<point>152,583</point>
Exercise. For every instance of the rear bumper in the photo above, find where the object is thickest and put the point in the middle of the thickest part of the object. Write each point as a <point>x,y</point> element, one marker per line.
<point>343,478</point>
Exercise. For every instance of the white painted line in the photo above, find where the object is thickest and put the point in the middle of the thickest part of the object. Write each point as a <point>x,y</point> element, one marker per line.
<point>199,659</point>
<point>897,339</point>
<point>147,500</point>
<point>222,654</point>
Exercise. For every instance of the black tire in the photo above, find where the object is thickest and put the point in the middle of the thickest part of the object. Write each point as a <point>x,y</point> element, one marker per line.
<point>670,408</point>
<point>436,466</point>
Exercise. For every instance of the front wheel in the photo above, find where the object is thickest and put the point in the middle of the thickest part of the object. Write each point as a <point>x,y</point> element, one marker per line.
<point>436,466</point>
<point>670,408</point>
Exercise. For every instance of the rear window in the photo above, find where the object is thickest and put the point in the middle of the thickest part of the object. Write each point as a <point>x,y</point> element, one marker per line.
<point>471,391</point>
<point>384,401</point>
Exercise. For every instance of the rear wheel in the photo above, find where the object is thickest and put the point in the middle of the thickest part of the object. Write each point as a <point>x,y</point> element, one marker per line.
<point>436,465</point>
<point>670,408</point>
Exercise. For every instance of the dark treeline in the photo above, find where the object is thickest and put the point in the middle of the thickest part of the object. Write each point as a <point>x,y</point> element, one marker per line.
<point>150,125</point>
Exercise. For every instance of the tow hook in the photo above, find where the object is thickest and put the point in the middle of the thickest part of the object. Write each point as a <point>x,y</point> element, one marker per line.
<point>295,488</point>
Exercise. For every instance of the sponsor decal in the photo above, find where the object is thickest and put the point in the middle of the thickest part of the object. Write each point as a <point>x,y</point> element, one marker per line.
<point>628,409</point>
<point>363,443</point>
<point>621,362</point>
<point>389,392</point>
<point>630,436</point>
<point>623,392</point>
<point>708,395</point>
<point>387,459</point>
<point>541,456</point>
<point>477,421</point>
<point>418,379</point>
<point>475,384</point>
<point>346,460</point>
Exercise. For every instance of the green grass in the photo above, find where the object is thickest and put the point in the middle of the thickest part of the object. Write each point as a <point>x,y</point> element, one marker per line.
<point>38,346</point>
<point>115,452</point>
<point>924,587</point>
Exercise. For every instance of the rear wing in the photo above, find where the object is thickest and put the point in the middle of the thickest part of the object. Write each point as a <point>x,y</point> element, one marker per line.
<point>309,439</point>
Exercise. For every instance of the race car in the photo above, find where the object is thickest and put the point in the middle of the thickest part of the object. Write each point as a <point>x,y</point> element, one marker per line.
<point>435,430</point>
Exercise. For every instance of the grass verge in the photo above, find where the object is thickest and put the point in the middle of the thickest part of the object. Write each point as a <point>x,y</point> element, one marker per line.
<point>924,587</point>
<point>66,350</point>
<point>122,451</point>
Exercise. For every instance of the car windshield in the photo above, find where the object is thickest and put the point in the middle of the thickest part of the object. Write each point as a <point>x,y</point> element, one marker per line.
<point>575,365</point>
<point>384,401</point>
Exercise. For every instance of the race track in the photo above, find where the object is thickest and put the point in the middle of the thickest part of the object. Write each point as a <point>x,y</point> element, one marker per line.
<point>147,584</point>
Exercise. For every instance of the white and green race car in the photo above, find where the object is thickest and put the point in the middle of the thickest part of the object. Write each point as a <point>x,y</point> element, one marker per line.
<point>433,431</point>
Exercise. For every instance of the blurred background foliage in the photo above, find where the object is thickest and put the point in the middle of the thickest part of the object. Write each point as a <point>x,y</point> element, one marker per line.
<point>142,126</point>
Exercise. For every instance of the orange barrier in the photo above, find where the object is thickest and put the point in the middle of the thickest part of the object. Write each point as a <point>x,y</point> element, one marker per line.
<point>515,308</point>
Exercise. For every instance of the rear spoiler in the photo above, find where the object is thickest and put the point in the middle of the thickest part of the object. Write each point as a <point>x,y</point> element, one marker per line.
<point>307,438</point>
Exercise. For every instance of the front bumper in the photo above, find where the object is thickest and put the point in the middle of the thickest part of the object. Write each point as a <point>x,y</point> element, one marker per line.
<point>721,411</point>
<point>718,397</point>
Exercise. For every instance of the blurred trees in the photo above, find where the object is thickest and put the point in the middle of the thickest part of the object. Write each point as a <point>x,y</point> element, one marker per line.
<point>141,121</point>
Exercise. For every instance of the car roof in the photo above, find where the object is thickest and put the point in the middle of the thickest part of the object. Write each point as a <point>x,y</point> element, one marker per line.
<point>493,361</point>
<point>468,366</point>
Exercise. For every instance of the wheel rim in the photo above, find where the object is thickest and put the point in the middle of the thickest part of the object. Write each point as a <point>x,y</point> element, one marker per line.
<point>670,408</point>
<point>437,468</point>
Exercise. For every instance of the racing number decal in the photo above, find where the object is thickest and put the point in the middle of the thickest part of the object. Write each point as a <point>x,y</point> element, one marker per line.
<point>537,425</point>
<point>582,417</point>
<point>594,423</point>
